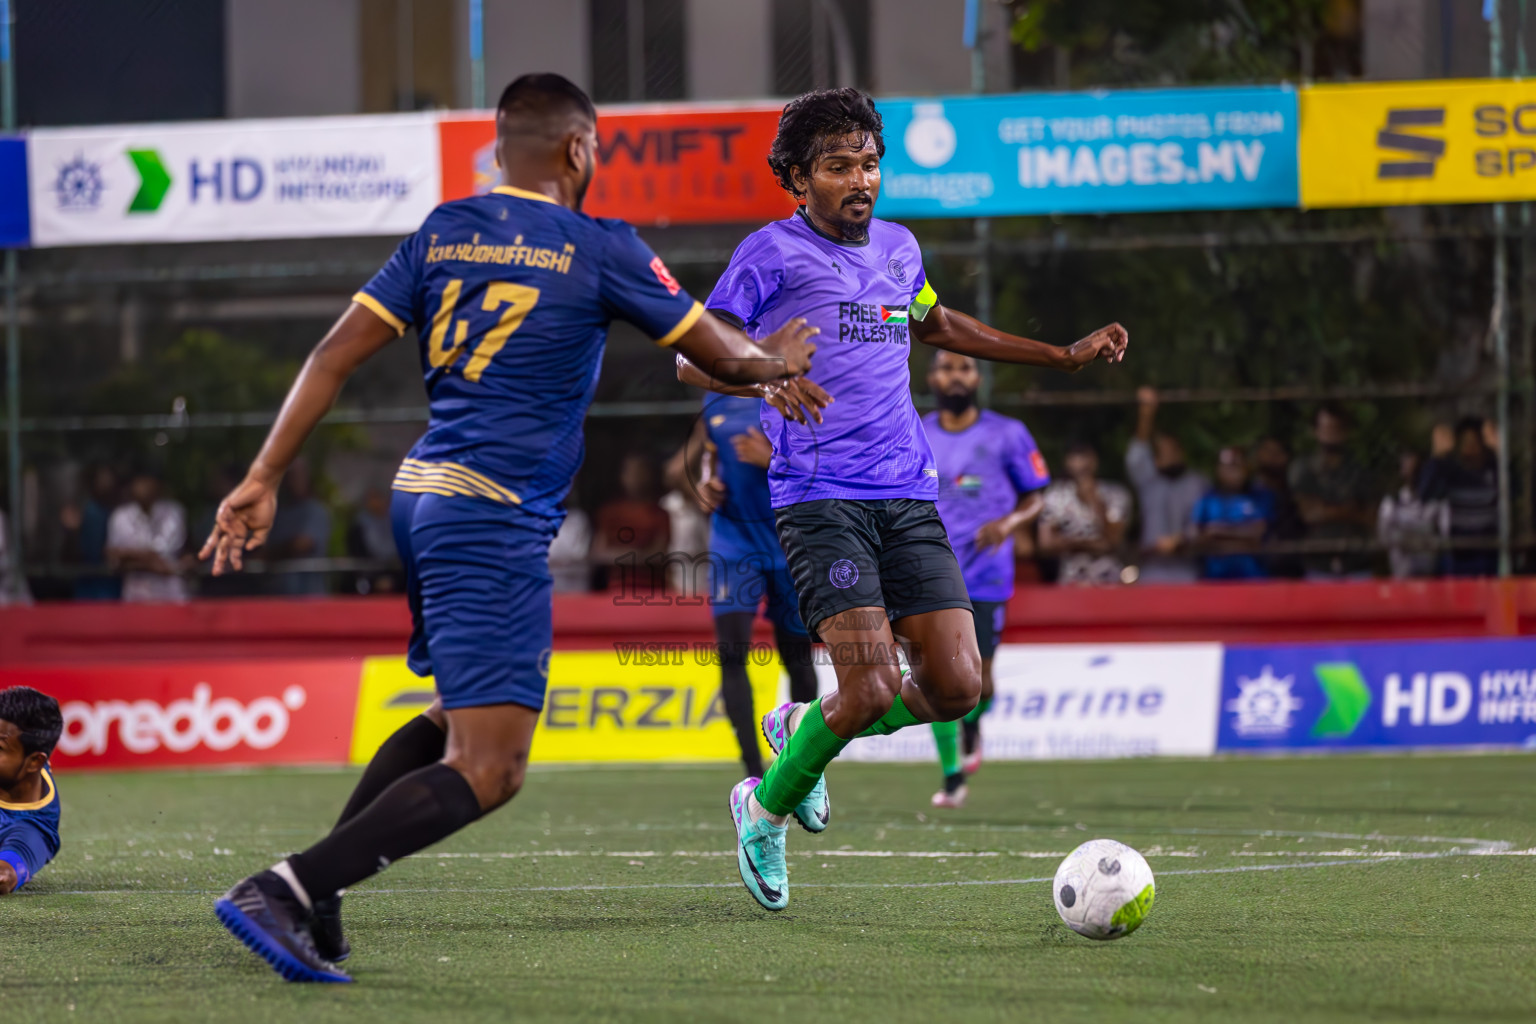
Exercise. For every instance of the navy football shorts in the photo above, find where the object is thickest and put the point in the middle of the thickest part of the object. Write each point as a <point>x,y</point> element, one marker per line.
<point>740,579</point>
<point>477,576</point>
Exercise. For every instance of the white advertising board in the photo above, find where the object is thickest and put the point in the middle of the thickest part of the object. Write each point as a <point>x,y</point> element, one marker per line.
<point>212,180</point>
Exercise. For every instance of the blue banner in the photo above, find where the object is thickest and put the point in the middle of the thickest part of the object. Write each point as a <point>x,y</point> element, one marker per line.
<point>15,218</point>
<point>1435,693</point>
<point>1108,152</point>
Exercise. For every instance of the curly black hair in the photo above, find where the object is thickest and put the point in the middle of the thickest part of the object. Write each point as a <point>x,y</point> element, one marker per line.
<point>810,125</point>
<point>35,715</point>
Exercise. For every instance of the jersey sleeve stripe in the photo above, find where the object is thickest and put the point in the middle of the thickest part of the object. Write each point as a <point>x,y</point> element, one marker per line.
<point>375,306</point>
<point>683,325</point>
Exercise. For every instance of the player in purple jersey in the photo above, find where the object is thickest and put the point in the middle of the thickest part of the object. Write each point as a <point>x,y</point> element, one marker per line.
<point>853,495</point>
<point>511,294</point>
<point>990,477</point>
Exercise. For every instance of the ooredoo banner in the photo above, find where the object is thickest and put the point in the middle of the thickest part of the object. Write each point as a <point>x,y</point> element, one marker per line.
<point>1101,152</point>
<point>1056,701</point>
<point>297,178</point>
<point>1436,693</point>
<point>664,165</point>
<point>182,714</point>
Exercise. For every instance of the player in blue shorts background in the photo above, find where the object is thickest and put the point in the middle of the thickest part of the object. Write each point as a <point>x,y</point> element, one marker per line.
<point>30,727</point>
<point>854,495</point>
<point>991,473</point>
<point>511,294</point>
<point>726,460</point>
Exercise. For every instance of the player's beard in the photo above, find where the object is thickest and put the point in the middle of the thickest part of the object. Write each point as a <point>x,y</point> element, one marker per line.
<point>956,402</point>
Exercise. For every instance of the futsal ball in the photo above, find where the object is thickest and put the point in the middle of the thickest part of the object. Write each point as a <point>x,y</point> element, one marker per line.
<point>1103,889</point>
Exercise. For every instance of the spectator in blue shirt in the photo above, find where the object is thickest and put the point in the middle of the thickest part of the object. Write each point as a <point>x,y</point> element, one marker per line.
<point>1232,520</point>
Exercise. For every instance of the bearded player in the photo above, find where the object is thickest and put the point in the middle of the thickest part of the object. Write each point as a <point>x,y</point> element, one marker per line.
<point>853,496</point>
<point>990,477</point>
<point>511,294</point>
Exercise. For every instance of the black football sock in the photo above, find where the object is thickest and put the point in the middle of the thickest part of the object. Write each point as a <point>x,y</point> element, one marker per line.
<point>733,633</point>
<point>421,808</point>
<point>414,745</point>
<point>797,654</point>
<point>970,733</point>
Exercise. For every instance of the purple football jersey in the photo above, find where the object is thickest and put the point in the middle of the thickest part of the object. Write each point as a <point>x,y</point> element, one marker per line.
<point>870,445</point>
<point>983,471</point>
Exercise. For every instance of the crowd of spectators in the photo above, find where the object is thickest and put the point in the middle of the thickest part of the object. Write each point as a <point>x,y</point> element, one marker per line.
<point>1261,513</point>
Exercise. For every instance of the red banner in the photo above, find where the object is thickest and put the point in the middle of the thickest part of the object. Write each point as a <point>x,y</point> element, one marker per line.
<point>660,167</point>
<point>182,714</point>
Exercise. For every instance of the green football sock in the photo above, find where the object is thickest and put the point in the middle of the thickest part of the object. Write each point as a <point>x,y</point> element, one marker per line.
<point>946,736</point>
<point>974,715</point>
<point>811,747</point>
<point>896,718</point>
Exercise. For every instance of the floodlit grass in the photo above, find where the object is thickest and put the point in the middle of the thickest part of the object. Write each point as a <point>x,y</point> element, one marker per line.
<point>1317,889</point>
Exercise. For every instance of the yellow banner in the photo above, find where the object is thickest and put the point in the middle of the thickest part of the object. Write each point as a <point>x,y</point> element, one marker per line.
<point>1422,142</point>
<point>657,702</point>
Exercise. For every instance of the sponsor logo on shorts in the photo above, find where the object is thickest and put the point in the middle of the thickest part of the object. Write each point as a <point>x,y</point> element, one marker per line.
<point>843,574</point>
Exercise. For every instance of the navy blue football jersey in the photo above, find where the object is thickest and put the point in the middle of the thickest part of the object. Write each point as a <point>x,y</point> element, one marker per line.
<point>511,294</point>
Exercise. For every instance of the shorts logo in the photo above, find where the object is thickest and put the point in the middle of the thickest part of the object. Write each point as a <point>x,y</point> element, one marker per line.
<point>843,574</point>
<point>544,656</point>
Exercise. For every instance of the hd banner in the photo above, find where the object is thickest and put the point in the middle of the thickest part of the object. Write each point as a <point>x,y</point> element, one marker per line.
<point>1408,143</point>
<point>1102,152</point>
<point>1435,693</point>
<point>230,180</point>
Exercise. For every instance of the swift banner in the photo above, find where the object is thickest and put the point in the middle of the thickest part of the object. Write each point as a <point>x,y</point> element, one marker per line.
<point>300,178</point>
<point>1441,693</point>
<point>672,165</point>
<point>1174,149</point>
<point>1057,701</point>
<point>1408,143</point>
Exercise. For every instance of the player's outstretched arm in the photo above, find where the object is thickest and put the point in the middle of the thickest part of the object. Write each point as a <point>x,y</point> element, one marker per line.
<point>728,355</point>
<point>245,515</point>
<point>944,328</point>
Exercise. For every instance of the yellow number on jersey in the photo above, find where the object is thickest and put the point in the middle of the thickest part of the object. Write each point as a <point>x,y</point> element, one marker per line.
<point>519,300</point>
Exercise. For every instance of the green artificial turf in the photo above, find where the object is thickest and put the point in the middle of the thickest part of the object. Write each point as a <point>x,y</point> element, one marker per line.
<point>612,895</point>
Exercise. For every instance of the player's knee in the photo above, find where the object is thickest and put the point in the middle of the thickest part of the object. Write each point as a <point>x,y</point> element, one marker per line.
<point>494,782</point>
<point>959,689</point>
<point>871,690</point>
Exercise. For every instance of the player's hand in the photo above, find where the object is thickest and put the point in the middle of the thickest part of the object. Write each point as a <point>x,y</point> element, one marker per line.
<point>792,343</point>
<point>1106,343</point>
<point>993,534</point>
<point>753,448</point>
<point>797,398</point>
<point>242,523</point>
<point>710,494</point>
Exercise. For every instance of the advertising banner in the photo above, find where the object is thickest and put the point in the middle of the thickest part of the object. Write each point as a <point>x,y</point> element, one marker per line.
<point>1418,142</point>
<point>185,714</point>
<point>1056,701</point>
<point>1440,693</point>
<point>298,178</point>
<point>15,217</point>
<point>665,165</point>
<point>637,702</point>
<point>1172,149</point>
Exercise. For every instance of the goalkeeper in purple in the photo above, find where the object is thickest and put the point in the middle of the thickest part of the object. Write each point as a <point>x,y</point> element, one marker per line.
<point>853,488</point>
<point>990,477</point>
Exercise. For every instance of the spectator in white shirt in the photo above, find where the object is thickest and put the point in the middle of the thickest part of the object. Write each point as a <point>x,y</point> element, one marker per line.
<point>145,538</point>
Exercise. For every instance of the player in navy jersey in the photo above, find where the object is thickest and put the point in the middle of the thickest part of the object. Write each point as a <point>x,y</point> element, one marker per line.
<point>726,463</point>
<point>990,477</point>
<point>511,295</point>
<point>854,495</point>
<point>30,727</point>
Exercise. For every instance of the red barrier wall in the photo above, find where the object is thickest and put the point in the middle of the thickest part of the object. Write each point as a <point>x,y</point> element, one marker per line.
<point>353,627</point>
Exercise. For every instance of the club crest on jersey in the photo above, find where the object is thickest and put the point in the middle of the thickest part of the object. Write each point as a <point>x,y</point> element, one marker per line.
<point>898,271</point>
